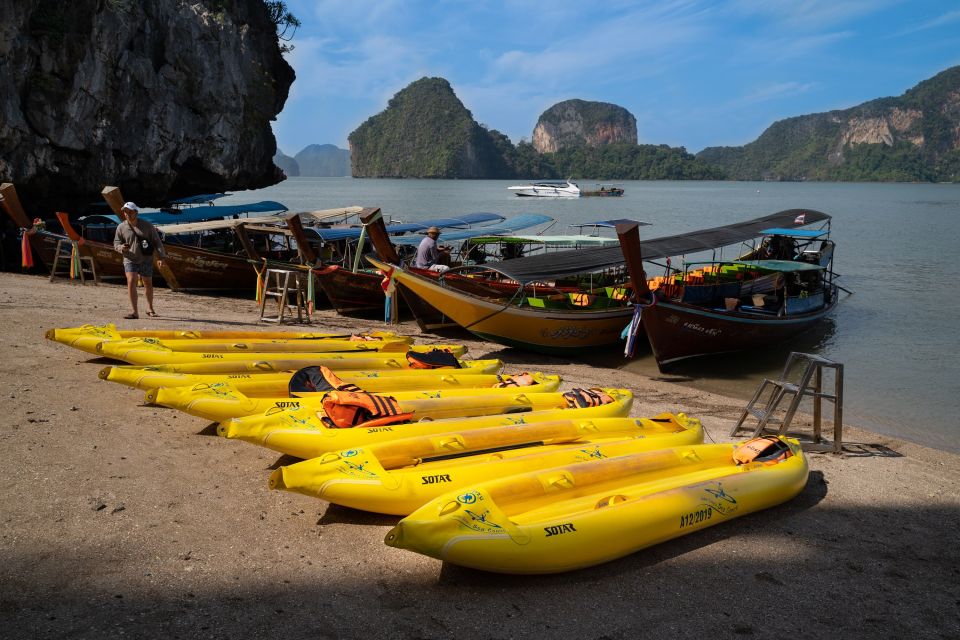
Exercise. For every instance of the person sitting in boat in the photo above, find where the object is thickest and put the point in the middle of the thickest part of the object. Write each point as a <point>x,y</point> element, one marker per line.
<point>778,248</point>
<point>430,255</point>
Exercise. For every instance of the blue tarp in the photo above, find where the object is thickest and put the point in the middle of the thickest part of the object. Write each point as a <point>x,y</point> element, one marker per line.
<point>524,221</point>
<point>352,233</point>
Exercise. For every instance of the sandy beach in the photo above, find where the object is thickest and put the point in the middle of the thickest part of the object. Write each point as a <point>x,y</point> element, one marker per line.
<point>121,519</point>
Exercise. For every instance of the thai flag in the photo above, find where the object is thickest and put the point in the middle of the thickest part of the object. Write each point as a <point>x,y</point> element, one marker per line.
<point>800,218</point>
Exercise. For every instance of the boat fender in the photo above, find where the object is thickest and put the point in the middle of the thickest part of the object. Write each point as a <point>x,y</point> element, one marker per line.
<point>348,409</point>
<point>766,449</point>
<point>313,379</point>
<point>582,398</point>
<point>433,359</point>
<point>524,379</point>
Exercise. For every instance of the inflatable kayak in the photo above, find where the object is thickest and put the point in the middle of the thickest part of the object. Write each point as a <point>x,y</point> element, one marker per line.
<point>399,476</point>
<point>369,363</point>
<point>87,337</point>
<point>347,409</point>
<point>261,385</point>
<point>582,514</point>
<point>299,432</point>
<point>147,351</point>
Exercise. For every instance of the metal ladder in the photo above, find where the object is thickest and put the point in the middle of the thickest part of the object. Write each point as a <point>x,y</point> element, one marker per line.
<point>810,384</point>
<point>64,252</point>
<point>285,284</point>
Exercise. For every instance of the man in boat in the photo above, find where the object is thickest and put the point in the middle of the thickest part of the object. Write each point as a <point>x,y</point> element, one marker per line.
<point>430,255</point>
<point>137,241</point>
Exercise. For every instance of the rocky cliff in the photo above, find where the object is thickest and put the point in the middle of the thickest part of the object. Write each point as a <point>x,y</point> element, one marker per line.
<point>285,163</point>
<point>913,137</point>
<point>323,160</point>
<point>425,132</point>
<point>575,123</point>
<point>159,97</point>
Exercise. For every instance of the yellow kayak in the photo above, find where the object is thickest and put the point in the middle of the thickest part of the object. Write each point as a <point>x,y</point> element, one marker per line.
<point>86,337</point>
<point>299,432</point>
<point>369,363</point>
<point>262,385</point>
<point>148,351</point>
<point>326,345</point>
<point>399,476</point>
<point>583,514</point>
<point>220,401</point>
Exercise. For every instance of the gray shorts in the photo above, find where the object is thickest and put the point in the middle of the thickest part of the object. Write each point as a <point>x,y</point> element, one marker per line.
<point>145,268</point>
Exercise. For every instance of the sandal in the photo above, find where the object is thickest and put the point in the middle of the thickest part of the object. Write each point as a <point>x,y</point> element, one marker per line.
<point>131,316</point>
<point>152,314</point>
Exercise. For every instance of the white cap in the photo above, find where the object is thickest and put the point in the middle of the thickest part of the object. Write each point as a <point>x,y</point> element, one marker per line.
<point>131,207</point>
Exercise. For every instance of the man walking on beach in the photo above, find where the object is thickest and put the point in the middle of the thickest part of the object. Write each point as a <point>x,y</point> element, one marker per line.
<point>429,255</point>
<point>137,240</point>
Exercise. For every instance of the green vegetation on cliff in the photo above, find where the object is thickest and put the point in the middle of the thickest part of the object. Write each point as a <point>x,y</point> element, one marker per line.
<point>425,132</point>
<point>909,138</point>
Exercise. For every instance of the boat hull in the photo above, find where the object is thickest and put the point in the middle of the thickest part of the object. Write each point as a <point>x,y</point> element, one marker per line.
<point>678,331</point>
<point>553,332</point>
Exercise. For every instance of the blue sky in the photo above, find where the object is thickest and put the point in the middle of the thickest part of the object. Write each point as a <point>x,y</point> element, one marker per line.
<point>694,73</point>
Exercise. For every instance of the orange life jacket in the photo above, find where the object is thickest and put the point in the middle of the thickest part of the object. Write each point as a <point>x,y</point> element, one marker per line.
<point>346,409</point>
<point>581,398</point>
<point>766,449</point>
<point>519,380</point>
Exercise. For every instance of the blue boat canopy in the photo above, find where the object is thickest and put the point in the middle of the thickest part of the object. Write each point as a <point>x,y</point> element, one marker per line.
<point>610,224</point>
<point>333,234</point>
<point>796,233</point>
<point>193,214</point>
<point>197,199</point>
<point>508,226</point>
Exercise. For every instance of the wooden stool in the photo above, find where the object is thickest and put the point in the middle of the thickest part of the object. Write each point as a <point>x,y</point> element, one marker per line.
<point>286,282</point>
<point>64,252</point>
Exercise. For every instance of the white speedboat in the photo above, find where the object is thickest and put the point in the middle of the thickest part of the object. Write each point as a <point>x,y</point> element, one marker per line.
<point>548,189</point>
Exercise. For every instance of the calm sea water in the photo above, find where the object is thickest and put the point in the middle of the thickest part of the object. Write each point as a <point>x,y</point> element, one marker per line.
<point>897,335</point>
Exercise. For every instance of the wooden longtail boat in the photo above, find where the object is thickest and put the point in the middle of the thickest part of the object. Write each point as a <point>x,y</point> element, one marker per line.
<point>574,323</point>
<point>769,295</point>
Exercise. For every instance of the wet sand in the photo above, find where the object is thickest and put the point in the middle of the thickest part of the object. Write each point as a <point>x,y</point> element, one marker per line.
<point>121,519</point>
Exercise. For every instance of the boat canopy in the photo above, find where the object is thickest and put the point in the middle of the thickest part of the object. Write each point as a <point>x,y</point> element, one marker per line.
<point>549,241</point>
<point>567,263</point>
<point>507,227</point>
<point>610,224</point>
<point>307,217</point>
<point>193,214</point>
<point>197,199</point>
<point>352,233</point>
<point>796,233</point>
<point>783,266</point>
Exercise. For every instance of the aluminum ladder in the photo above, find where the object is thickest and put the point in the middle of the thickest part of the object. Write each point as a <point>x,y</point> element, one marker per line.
<point>810,384</point>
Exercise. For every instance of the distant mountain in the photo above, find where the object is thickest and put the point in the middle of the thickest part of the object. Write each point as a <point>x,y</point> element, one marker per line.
<point>426,132</point>
<point>577,123</point>
<point>913,137</point>
<point>287,164</point>
<point>323,160</point>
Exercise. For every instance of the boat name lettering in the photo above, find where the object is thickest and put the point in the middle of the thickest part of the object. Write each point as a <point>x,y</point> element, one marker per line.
<point>287,404</point>
<point>561,333</point>
<point>379,429</point>
<point>211,355</point>
<point>701,329</point>
<point>557,529</point>
<point>443,477</point>
<point>698,516</point>
<point>236,376</point>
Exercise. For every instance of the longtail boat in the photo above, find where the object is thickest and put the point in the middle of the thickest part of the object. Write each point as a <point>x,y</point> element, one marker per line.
<point>774,291</point>
<point>361,290</point>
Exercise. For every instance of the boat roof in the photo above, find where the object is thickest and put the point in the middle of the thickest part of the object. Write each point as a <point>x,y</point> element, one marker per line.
<point>197,199</point>
<point>307,217</point>
<point>566,263</point>
<point>795,233</point>
<point>352,233</point>
<point>506,227</point>
<point>550,241</point>
<point>194,214</point>
<point>609,224</point>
